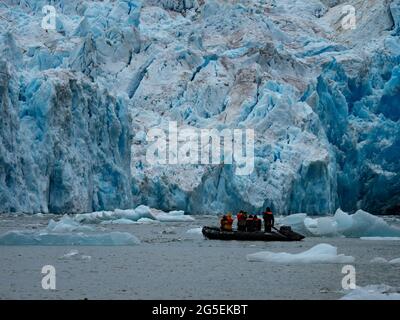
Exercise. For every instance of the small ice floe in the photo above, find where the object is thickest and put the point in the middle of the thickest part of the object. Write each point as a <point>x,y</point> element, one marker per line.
<point>74,254</point>
<point>118,221</point>
<point>378,260</point>
<point>383,260</point>
<point>70,254</point>
<point>373,292</point>
<point>195,231</point>
<point>321,253</point>
<point>67,239</point>
<point>381,238</point>
<point>358,225</point>
<point>66,224</point>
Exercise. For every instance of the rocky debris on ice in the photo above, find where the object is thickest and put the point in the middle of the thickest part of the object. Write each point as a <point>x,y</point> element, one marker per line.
<point>321,253</point>
<point>373,292</point>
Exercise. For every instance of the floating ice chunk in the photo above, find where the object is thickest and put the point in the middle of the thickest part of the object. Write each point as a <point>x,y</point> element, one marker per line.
<point>381,238</point>
<point>172,216</point>
<point>66,224</point>
<point>119,221</point>
<point>140,214</point>
<point>361,224</point>
<point>195,231</point>
<point>378,260</point>
<point>373,292</point>
<point>343,220</point>
<point>321,226</point>
<point>67,239</point>
<point>368,225</point>
<point>321,253</point>
<point>147,221</point>
<point>395,261</point>
<point>70,254</point>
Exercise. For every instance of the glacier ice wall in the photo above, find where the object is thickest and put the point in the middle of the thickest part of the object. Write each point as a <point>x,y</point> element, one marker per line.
<point>76,103</point>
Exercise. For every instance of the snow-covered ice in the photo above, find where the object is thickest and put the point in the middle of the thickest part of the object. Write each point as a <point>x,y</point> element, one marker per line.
<point>321,253</point>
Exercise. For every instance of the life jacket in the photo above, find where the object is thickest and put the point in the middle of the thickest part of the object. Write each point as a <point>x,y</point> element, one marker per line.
<point>257,223</point>
<point>241,216</point>
<point>267,215</point>
<point>226,223</point>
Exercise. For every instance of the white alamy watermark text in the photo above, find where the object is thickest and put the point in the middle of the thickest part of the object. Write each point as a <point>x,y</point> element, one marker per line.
<point>191,145</point>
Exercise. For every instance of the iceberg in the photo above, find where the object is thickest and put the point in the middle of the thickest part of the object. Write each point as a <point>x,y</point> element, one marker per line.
<point>358,225</point>
<point>66,224</point>
<point>321,253</point>
<point>23,238</point>
<point>141,214</point>
<point>373,292</point>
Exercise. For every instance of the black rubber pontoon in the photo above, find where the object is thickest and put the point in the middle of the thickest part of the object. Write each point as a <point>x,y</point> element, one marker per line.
<point>284,234</point>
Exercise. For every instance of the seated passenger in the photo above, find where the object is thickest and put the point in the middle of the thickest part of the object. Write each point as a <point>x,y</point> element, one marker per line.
<point>257,223</point>
<point>229,222</point>
<point>241,221</point>
<point>249,224</point>
<point>223,223</point>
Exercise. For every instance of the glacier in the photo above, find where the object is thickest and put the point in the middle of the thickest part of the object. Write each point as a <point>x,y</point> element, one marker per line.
<point>76,104</point>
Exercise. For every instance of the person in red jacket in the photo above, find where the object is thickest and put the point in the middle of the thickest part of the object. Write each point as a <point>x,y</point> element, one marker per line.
<point>257,223</point>
<point>269,220</point>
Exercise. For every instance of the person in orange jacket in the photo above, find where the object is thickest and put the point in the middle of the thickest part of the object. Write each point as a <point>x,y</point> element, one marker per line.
<point>229,222</point>
<point>269,220</point>
<point>226,222</point>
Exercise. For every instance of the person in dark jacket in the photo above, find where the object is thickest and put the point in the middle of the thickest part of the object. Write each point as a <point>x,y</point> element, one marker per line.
<point>249,224</point>
<point>256,223</point>
<point>241,221</point>
<point>269,220</point>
